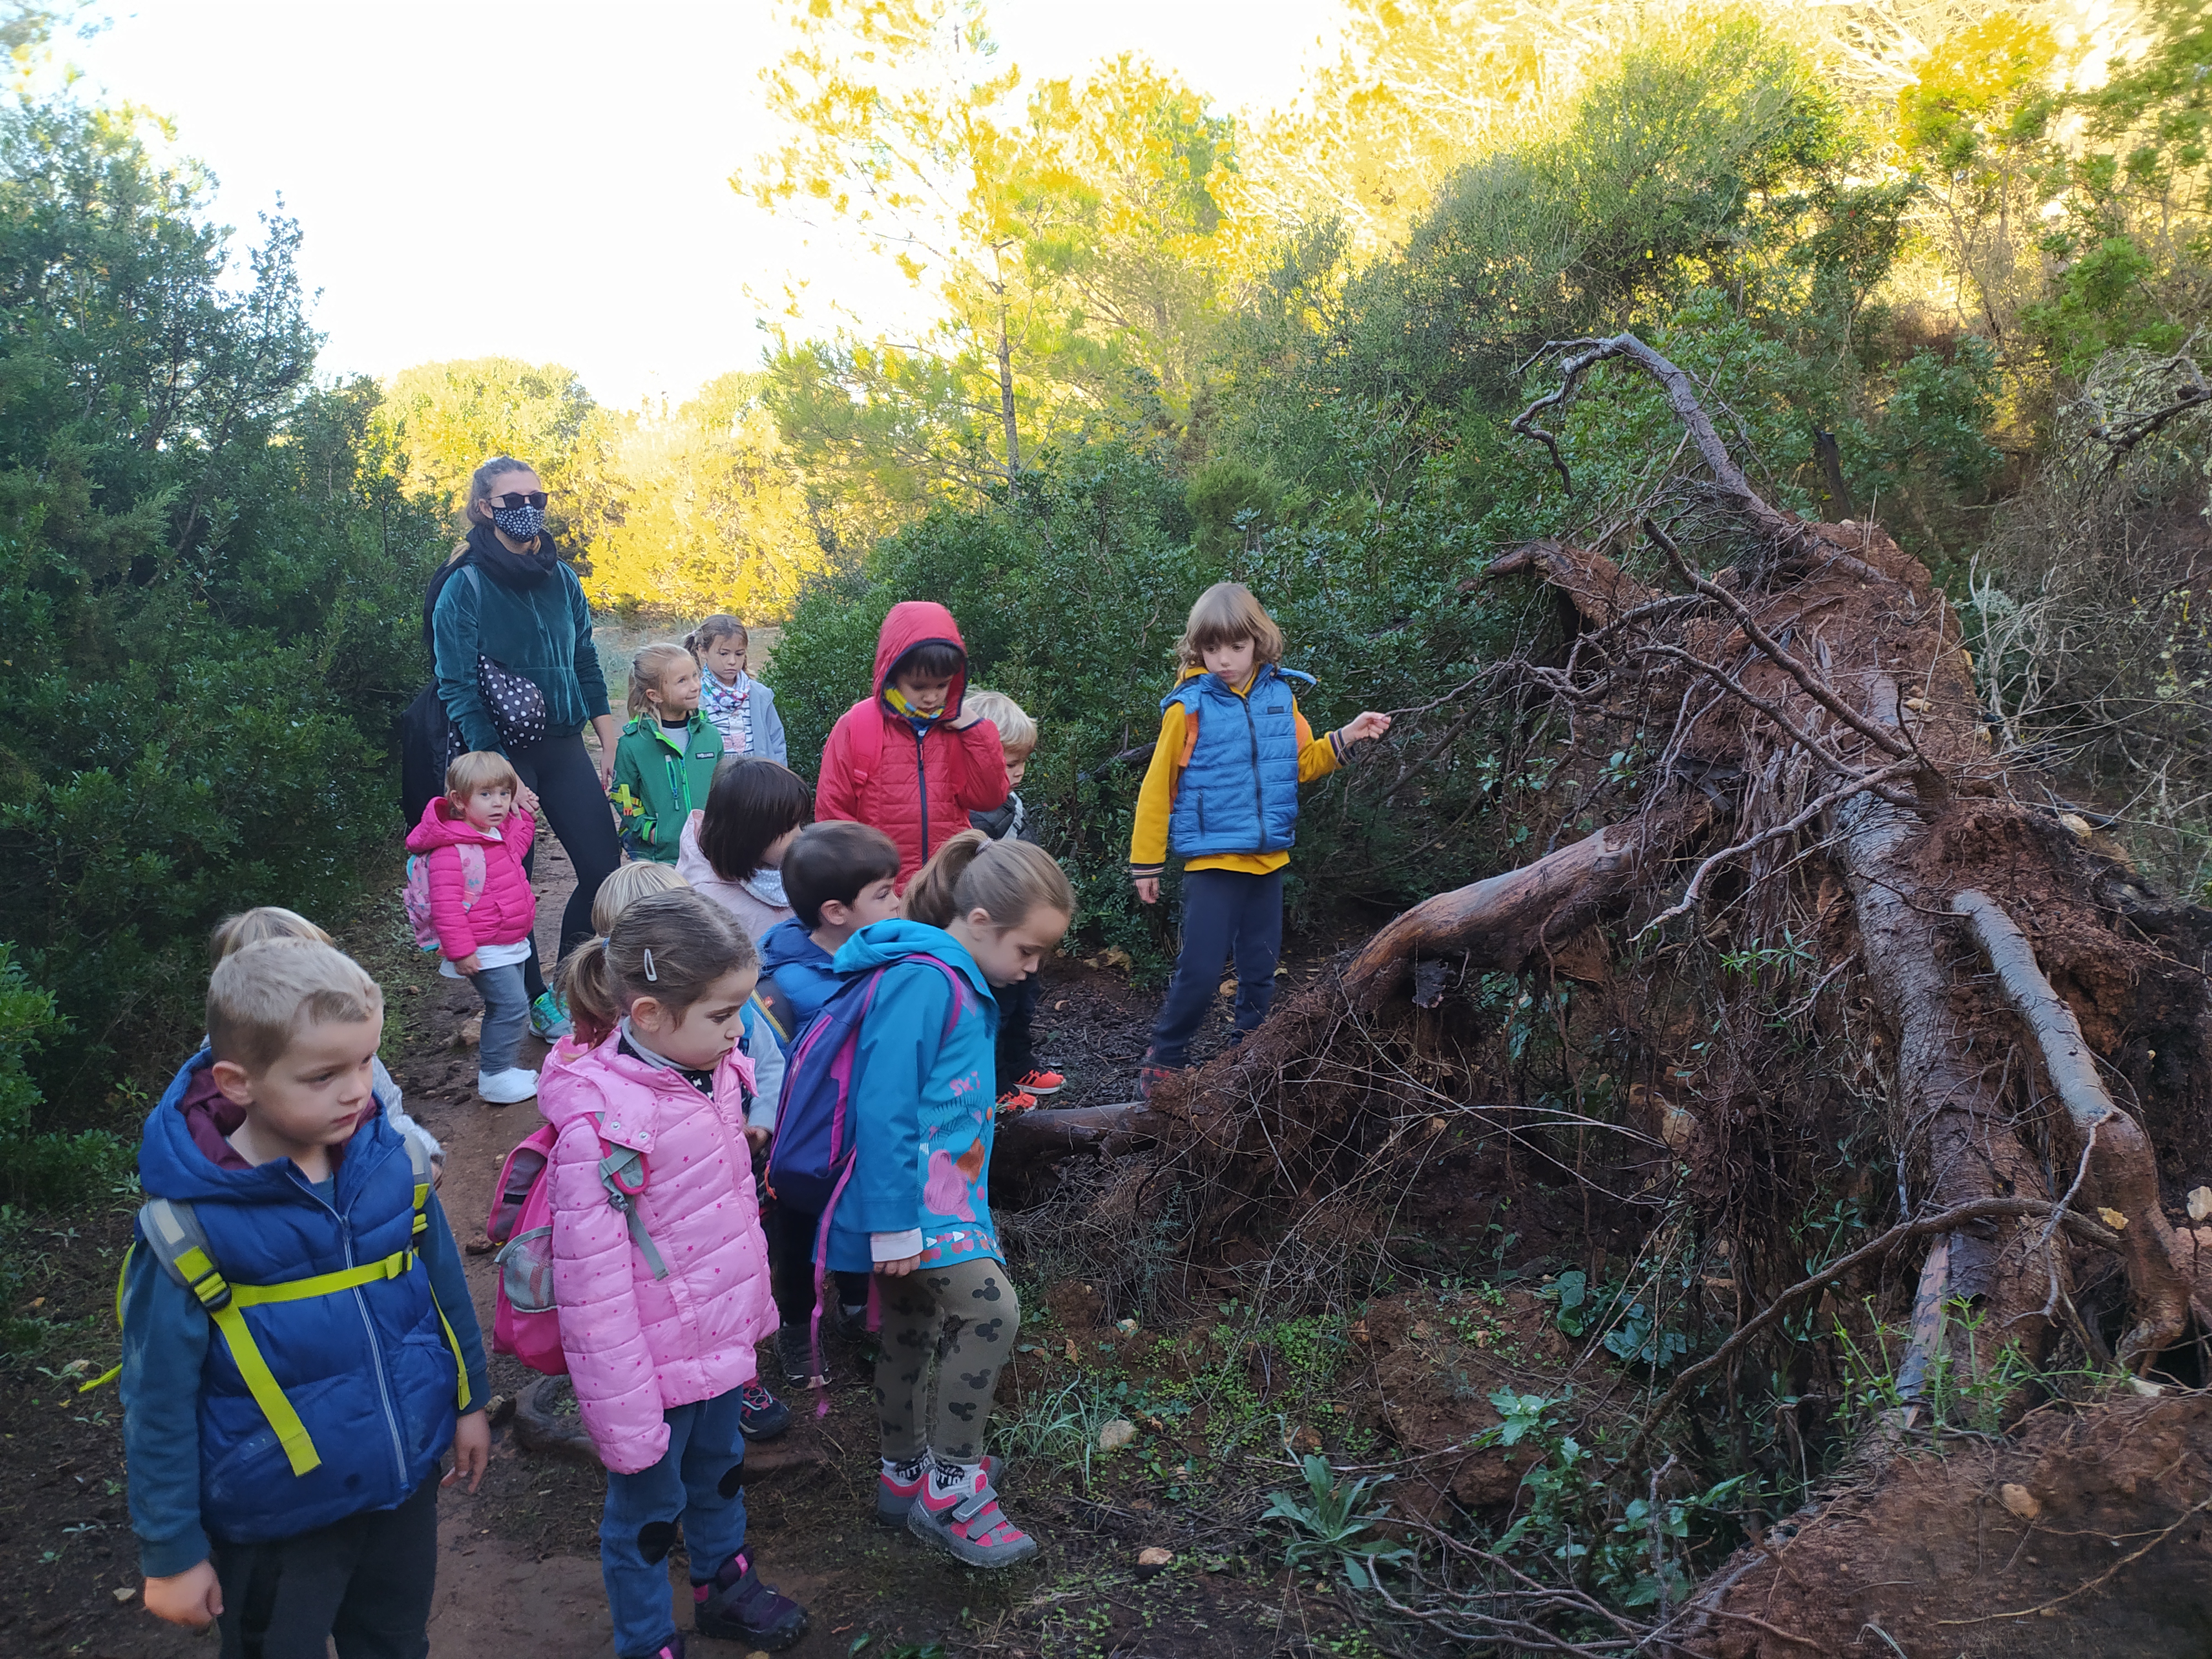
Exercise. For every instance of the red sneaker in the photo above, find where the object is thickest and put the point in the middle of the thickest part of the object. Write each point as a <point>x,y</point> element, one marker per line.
<point>1015,1100</point>
<point>1042,1083</point>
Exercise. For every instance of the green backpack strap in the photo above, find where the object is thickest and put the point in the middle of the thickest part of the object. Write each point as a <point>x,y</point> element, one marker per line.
<point>173,1234</point>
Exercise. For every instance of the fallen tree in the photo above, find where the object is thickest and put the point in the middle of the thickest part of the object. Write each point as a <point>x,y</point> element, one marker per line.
<point>2008,1031</point>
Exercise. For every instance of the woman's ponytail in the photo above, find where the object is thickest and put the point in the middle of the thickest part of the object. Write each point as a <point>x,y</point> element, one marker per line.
<point>933,896</point>
<point>1004,879</point>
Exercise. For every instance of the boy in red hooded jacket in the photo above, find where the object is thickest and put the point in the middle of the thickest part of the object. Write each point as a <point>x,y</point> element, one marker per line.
<point>907,761</point>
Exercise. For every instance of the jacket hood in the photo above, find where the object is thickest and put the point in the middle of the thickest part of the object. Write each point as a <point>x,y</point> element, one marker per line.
<point>176,1162</point>
<point>920,622</point>
<point>787,943</point>
<point>442,827</point>
<point>611,1079</point>
<point>894,941</point>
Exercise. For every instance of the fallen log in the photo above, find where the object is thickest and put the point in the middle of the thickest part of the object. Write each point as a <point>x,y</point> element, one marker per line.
<point>1503,920</point>
<point>2114,1149</point>
<point>1048,1135</point>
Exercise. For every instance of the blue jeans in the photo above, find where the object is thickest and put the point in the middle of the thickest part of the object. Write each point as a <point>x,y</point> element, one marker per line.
<point>507,1011</point>
<point>1225,913</point>
<point>695,1482</point>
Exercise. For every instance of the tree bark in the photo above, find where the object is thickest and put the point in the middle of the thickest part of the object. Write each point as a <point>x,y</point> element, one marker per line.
<point>1006,396</point>
<point>1500,923</point>
<point>2115,1151</point>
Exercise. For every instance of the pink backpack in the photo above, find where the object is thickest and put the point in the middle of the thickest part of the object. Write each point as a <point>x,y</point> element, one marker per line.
<point>417,894</point>
<point>526,1320</point>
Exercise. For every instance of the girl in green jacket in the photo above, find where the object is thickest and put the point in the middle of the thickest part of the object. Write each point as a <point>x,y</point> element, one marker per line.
<point>665,759</point>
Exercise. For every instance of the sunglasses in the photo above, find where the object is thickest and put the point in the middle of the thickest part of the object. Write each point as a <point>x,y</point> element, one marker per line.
<point>519,498</point>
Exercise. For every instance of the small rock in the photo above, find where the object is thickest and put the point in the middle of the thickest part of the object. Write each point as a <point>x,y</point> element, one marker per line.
<point>123,1594</point>
<point>757,1653</point>
<point>2076,825</point>
<point>2148,1391</point>
<point>2200,1203</point>
<point>2113,1220</point>
<point>1152,1558</point>
<point>1127,1326</point>
<point>1116,1434</point>
<point>2020,1500</point>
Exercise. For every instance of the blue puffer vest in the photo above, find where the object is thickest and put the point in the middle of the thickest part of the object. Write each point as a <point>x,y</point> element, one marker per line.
<point>1240,792</point>
<point>367,1370</point>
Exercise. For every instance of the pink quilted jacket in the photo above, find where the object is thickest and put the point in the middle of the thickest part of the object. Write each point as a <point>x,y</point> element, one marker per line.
<point>637,1344</point>
<point>505,912</point>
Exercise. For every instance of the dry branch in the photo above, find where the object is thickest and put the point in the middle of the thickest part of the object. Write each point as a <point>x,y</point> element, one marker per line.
<point>2120,1154</point>
<point>1786,530</point>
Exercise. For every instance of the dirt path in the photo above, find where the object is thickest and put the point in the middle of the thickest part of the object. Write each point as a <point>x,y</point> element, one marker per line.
<point>519,1564</point>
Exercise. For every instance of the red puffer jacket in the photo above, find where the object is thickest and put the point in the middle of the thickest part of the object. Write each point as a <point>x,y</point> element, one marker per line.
<point>505,912</point>
<point>918,791</point>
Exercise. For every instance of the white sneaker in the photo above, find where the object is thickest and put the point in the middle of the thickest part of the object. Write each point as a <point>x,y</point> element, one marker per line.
<point>507,1087</point>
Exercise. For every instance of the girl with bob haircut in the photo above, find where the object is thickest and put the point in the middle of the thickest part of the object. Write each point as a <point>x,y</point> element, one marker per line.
<point>1222,788</point>
<point>474,841</point>
<point>732,851</point>
<point>660,1311</point>
<point>666,760</point>
<point>915,1208</point>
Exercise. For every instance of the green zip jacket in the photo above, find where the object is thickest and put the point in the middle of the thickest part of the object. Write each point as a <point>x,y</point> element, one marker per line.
<point>658,781</point>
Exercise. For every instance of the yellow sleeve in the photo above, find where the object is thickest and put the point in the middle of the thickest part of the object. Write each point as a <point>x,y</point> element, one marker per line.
<point>1318,756</point>
<point>1148,842</point>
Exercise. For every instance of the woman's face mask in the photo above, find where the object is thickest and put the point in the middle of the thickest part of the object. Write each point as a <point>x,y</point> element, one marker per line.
<point>522,523</point>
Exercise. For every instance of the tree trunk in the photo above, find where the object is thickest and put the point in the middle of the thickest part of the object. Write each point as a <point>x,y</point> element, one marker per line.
<point>1007,397</point>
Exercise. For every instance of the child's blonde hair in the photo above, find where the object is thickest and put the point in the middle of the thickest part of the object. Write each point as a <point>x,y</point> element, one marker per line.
<point>1004,879</point>
<point>480,768</point>
<point>650,667</point>
<point>626,886</point>
<point>1224,614</point>
<point>700,639</point>
<point>255,926</point>
<point>261,995</point>
<point>670,946</point>
<point>1018,733</point>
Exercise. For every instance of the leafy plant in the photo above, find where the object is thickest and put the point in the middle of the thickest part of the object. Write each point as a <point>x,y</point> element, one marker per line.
<point>1331,1522</point>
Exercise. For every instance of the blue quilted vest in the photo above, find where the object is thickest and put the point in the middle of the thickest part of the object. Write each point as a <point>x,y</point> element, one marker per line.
<point>1240,792</point>
<point>367,1370</point>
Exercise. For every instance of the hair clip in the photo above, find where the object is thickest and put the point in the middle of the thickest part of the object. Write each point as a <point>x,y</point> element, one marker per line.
<point>649,974</point>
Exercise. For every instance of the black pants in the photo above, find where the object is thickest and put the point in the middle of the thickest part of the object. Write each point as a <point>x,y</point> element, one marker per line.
<point>573,806</point>
<point>791,1266</point>
<point>1016,1011</point>
<point>365,1582</point>
<point>1225,913</point>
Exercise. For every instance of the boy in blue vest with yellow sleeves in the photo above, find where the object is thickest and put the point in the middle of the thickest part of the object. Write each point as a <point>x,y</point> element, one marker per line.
<point>1223,787</point>
<point>299,1348</point>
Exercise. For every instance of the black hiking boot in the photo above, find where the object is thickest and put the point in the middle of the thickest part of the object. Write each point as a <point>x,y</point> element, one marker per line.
<point>738,1606</point>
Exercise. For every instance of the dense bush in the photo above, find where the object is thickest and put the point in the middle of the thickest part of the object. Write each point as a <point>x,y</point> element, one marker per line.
<point>210,586</point>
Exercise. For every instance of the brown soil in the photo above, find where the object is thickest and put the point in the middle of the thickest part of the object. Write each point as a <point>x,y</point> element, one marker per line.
<point>2085,1536</point>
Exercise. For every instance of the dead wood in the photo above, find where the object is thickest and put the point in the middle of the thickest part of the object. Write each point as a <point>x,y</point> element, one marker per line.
<point>1501,922</point>
<point>2114,1149</point>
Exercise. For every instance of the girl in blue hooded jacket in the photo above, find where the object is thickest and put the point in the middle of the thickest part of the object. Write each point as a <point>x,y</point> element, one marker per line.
<point>914,1210</point>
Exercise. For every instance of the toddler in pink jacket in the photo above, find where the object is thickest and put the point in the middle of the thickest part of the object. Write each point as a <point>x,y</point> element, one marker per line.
<point>662,1301</point>
<point>474,838</point>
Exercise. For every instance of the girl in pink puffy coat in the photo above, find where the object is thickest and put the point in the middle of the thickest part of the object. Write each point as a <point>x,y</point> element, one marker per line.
<point>660,1308</point>
<point>475,837</point>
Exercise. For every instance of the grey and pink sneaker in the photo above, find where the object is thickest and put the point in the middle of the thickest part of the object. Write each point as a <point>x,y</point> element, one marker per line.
<point>968,1523</point>
<point>738,1606</point>
<point>895,1493</point>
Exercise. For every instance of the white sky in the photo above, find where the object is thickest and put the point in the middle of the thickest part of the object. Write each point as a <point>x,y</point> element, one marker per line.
<point>548,181</point>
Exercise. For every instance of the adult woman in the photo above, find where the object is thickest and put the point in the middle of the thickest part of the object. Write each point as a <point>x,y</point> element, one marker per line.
<point>505,594</point>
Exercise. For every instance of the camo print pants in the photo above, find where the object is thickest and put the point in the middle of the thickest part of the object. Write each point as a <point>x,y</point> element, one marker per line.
<point>962,1317</point>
